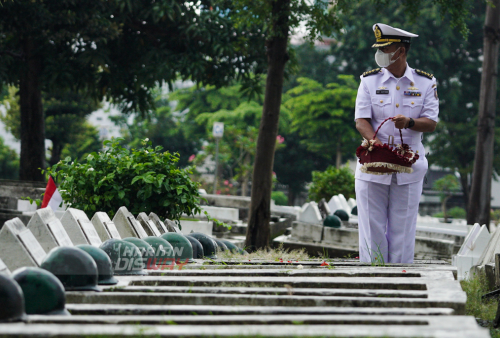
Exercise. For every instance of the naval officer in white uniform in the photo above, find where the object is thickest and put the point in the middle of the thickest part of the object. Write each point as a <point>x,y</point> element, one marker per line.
<point>388,204</point>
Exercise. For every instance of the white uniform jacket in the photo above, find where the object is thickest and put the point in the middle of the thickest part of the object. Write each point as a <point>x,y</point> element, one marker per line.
<point>381,95</point>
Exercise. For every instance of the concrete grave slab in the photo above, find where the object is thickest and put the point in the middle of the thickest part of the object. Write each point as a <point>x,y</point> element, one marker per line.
<point>79,228</point>
<point>127,225</point>
<point>171,226</point>
<point>307,232</point>
<point>3,268</point>
<point>18,246</point>
<point>344,204</point>
<point>197,226</point>
<point>439,327</point>
<point>105,228</point>
<point>345,237</point>
<point>48,230</point>
<point>334,204</point>
<point>158,222</point>
<point>351,202</point>
<point>324,209</point>
<point>220,213</point>
<point>148,225</point>
<point>310,214</point>
<point>152,309</point>
<point>472,249</point>
<point>493,247</point>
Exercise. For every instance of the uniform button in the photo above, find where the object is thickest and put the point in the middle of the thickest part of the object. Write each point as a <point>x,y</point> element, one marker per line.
<point>397,88</point>
<point>412,102</point>
<point>397,105</point>
<point>381,101</point>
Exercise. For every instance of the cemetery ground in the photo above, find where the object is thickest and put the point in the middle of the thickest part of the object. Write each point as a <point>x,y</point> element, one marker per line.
<point>272,293</point>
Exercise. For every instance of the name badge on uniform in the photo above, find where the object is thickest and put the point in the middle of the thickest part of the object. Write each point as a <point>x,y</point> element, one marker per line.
<point>412,93</point>
<point>382,91</point>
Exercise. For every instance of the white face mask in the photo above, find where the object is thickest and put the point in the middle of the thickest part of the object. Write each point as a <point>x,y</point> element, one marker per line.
<point>384,59</point>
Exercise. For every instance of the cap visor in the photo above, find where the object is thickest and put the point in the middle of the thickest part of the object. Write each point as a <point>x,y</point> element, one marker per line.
<point>382,44</point>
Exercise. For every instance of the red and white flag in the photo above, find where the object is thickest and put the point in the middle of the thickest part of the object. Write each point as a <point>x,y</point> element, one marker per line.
<point>52,197</point>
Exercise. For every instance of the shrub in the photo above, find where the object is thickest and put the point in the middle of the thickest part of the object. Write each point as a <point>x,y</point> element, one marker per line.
<point>332,181</point>
<point>143,180</point>
<point>279,198</point>
<point>457,212</point>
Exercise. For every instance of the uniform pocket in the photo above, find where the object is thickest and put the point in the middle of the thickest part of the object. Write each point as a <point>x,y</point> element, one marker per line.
<point>413,107</point>
<point>381,106</point>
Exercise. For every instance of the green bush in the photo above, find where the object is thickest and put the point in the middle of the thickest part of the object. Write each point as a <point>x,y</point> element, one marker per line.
<point>279,198</point>
<point>457,212</point>
<point>143,180</point>
<point>332,181</point>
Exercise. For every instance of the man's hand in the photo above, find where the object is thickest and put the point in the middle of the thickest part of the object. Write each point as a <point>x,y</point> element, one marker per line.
<point>400,121</point>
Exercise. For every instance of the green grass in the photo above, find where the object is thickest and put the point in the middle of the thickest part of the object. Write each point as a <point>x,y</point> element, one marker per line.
<point>268,254</point>
<point>475,287</point>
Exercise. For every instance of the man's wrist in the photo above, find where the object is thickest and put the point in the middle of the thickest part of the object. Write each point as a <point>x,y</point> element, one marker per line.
<point>410,123</point>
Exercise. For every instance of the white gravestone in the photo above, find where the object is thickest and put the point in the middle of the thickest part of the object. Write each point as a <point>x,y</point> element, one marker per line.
<point>351,202</point>
<point>334,204</point>
<point>474,245</point>
<point>18,246</point>
<point>493,247</point>
<point>105,228</point>
<point>48,230</point>
<point>127,225</point>
<point>344,204</point>
<point>310,214</point>
<point>172,226</point>
<point>157,221</point>
<point>148,225</point>
<point>3,268</point>
<point>79,228</point>
<point>324,209</point>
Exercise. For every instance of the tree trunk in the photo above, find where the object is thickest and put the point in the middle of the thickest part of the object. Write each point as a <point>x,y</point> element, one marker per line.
<point>32,120</point>
<point>480,195</point>
<point>443,208</point>
<point>246,177</point>
<point>258,232</point>
<point>55,156</point>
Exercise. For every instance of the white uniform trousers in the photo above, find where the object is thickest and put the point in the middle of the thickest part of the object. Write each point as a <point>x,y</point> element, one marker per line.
<point>387,220</point>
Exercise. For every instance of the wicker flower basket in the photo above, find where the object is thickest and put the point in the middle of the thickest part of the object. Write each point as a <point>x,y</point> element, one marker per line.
<point>385,159</point>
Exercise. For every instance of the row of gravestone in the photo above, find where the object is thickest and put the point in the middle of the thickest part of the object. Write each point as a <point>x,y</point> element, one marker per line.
<point>50,256</point>
<point>478,251</point>
<point>338,206</point>
<point>22,245</point>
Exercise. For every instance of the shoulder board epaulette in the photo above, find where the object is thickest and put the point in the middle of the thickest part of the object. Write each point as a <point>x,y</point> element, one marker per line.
<point>422,73</point>
<point>371,72</point>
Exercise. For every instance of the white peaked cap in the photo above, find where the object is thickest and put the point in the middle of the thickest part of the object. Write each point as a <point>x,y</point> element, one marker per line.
<point>386,35</point>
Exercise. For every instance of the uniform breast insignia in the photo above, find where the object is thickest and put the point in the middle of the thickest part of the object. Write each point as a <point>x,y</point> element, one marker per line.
<point>382,90</point>
<point>422,73</point>
<point>371,72</point>
<point>412,93</point>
